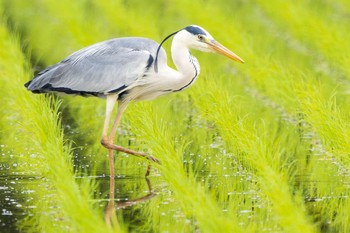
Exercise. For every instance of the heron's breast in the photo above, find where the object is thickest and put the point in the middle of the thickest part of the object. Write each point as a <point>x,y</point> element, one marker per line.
<point>145,93</point>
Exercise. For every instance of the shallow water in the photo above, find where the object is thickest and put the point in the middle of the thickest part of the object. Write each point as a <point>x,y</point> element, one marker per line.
<point>133,193</point>
<point>136,196</point>
<point>15,198</point>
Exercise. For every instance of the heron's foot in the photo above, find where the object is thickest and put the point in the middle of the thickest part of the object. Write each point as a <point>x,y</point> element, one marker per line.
<point>111,146</point>
<point>153,159</point>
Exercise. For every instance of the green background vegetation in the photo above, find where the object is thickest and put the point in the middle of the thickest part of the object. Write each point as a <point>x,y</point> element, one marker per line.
<point>259,147</point>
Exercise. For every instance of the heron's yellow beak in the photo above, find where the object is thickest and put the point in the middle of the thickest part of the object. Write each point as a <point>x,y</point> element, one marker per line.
<point>219,48</point>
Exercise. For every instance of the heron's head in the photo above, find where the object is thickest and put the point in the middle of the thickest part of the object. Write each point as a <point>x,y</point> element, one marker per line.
<point>195,37</point>
<point>198,38</point>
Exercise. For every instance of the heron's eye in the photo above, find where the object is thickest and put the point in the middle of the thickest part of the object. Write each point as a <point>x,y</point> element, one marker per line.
<point>200,37</point>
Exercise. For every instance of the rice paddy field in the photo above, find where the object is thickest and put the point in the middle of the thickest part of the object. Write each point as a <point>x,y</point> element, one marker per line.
<point>257,147</point>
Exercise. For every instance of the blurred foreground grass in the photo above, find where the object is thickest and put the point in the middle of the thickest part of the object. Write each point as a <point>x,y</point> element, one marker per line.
<point>259,147</point>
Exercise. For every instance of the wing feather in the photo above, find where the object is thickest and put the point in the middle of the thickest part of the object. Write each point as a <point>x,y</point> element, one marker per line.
<point>106,67</point>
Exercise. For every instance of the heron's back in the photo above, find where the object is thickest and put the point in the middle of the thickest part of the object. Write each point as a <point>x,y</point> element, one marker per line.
<point>111,66</point>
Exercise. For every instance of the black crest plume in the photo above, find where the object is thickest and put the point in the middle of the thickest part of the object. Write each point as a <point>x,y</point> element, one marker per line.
<point>158,49</point>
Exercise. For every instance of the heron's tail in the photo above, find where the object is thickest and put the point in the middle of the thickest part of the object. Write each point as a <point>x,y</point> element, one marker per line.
<point>27,84</point>
<point>31,86</point>
<point>41,81</point>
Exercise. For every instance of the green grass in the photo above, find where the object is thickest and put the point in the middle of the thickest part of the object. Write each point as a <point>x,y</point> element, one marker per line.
<point>259,147</point>
<point>33,132</point>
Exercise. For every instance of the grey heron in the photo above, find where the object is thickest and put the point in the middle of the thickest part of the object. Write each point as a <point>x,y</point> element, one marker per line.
<point>128,69</point>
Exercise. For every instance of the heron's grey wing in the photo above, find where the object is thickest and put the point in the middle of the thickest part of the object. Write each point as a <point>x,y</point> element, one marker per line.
<point>106,67</point>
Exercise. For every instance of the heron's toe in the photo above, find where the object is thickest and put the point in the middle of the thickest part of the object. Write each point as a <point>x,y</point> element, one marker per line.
<point>153,159</point>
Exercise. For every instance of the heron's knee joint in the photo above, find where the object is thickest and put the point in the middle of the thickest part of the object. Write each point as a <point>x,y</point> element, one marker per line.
<point>108,143</point>
<point>104,142</point>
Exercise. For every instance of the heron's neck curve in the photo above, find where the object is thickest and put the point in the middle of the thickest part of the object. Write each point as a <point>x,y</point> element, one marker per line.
<point>186,64</point>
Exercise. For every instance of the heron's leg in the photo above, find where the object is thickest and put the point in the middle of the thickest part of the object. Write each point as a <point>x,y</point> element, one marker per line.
<point>109,142</point>
<point>110,208</point>
<point>112,174</point>
<point>121,108</point>
<point>110,102</point>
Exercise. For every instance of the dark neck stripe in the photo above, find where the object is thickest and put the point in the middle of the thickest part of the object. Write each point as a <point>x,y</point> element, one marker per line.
<point>194,77</point>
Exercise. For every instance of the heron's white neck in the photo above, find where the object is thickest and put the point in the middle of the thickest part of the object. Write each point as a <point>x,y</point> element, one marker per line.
<point>187,65</point>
